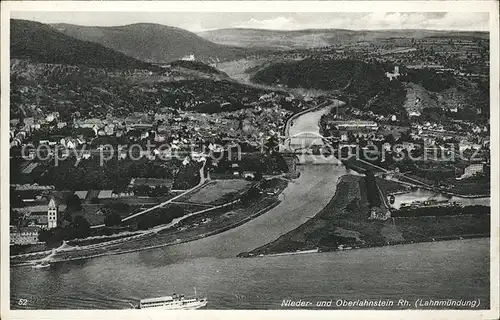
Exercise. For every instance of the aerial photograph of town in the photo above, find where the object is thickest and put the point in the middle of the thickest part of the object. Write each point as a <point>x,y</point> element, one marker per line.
<point>239,160</point>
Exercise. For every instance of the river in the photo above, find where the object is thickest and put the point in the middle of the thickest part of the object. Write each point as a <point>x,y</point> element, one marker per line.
<point>452,269</point>
<point>438,270</point>
<point>304,130</point>
<point>303,198</point>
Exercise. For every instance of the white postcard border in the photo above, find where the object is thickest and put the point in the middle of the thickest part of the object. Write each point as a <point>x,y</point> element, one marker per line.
<point>253,6</point>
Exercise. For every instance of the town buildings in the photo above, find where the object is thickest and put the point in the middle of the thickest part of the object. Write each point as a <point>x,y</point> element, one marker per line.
<point>23,235</point>
<point>40,214</point>
<point>189,57</point>
<point>354,125</point>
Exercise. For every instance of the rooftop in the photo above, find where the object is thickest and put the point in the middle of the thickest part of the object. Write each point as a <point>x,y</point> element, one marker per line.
<point>81,194</point>
<point>105,194</point>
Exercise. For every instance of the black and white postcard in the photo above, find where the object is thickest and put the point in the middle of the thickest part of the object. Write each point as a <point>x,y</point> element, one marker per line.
<point>277,159</point>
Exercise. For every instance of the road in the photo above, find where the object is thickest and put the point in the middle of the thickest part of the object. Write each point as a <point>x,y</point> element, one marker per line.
<point>199,185</point>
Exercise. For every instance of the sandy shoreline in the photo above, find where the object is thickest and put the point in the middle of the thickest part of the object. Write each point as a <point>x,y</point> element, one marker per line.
<point>367,246</point>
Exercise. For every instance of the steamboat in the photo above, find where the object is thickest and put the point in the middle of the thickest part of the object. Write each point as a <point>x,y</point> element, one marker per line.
<point>173,302</point>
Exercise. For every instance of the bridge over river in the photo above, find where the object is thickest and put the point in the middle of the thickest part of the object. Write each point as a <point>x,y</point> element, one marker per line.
<point>302,132</point>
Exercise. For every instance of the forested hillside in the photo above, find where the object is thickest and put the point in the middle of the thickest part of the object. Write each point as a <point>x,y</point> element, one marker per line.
<point>39,42</point>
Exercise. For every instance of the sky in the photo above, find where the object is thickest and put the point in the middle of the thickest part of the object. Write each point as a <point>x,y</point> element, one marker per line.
<point>196,22</point>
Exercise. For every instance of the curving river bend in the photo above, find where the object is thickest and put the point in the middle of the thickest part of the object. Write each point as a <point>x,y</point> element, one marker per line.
<point>452,269</point>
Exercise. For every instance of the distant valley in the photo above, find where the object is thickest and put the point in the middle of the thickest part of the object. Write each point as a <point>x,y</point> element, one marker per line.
<point>315,38</point>
<point>154,42</point>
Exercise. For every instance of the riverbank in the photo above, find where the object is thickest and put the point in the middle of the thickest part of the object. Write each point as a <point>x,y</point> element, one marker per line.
<point>192,227</point>
<point>344,223</point>
<point>293,117</point>
<point>303,130</point>
<point>67,256</point>
<point>366,246</point>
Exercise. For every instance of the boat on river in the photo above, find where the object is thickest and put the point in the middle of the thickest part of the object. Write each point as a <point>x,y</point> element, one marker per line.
<point>173,302</point>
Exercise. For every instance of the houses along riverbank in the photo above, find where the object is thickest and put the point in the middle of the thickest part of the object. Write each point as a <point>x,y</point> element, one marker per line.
<point>345,221</point>
<point>345,224</point>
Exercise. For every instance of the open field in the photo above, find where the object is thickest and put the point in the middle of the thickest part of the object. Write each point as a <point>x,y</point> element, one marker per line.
<point>217,190</point>
<point>91,212</point>
<point>95,215</point>
<point>189,229</point>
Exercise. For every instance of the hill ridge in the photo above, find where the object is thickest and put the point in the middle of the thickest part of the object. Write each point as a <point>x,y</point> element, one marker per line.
<point>311,38</point>
<point>42,43</point>
<point>152,42</point>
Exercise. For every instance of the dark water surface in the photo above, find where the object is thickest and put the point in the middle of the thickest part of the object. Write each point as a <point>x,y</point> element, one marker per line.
<point>440,270</point>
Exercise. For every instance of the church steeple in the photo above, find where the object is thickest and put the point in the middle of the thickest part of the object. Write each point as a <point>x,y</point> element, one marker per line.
<point>52,212</point>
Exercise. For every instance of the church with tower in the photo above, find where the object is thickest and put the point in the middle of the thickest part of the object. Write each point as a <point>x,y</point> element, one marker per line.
<point>44,214</point>
<point>52,212</point>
